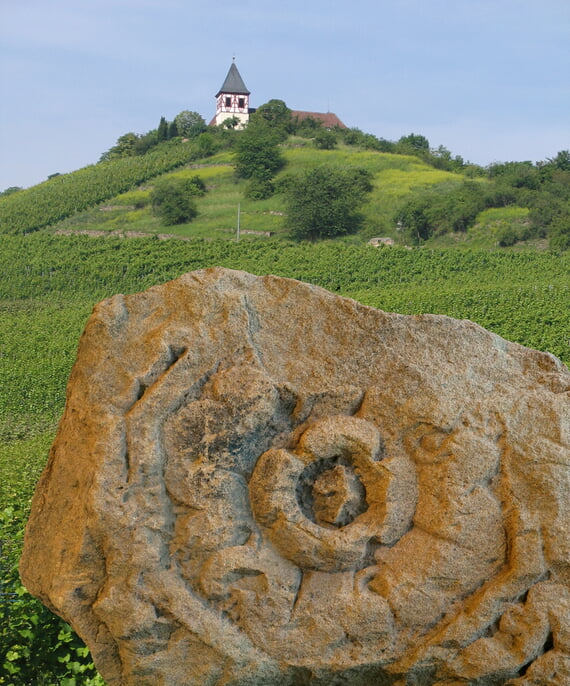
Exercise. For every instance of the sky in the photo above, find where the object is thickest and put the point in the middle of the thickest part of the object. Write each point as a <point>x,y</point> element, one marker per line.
<point>487,79</point>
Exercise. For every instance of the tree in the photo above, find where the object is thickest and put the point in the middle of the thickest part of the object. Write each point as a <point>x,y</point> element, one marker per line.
<point>230,123</point>
<point>173,199</point>
<point>439,210</point>
<point>414,143</point>
<point>11,189</point>
<point>561,161</point>
<point>124,147</point>
<point>307,126</point>
<point>276,115</point>
<point>145,142</point>
<point>162,131</point>
<point>324,202</point>
<point>206,144</point>
<point>189,124</point>
<point>325,140</point>
<point>257,153</point>
<point>413,219</point>
<point>172,130</point>
<point>559,234</point>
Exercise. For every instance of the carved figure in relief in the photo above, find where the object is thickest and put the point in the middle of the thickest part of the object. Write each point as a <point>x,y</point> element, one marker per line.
<point>383,524</point>
<point>322,548</point>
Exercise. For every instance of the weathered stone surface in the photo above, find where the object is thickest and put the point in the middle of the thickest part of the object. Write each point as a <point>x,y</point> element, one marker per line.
<point>258,482</point>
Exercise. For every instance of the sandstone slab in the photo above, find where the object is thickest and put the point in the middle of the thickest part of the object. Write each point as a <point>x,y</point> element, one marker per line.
<point>258,482</point>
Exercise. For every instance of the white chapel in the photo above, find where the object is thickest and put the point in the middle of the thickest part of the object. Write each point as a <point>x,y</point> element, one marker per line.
<point>232,100</point>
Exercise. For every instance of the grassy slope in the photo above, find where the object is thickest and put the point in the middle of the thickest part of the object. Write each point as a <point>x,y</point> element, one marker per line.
<point>394,177</point>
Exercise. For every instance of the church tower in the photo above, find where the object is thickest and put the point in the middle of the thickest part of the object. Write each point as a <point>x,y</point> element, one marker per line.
<point>232,100</point>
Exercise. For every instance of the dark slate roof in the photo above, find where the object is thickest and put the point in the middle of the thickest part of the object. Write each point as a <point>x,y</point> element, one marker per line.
<point>328,119</point>
<point>234,83</point>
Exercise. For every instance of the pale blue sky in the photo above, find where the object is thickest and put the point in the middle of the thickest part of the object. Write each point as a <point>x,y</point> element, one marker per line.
<point>489,79</point>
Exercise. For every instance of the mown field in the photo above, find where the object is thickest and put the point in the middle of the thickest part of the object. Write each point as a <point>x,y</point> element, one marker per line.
<point>49,283</point>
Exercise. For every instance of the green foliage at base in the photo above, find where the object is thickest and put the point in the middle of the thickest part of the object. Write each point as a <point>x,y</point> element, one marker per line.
<point>36,647</point>
<point>257,153</point>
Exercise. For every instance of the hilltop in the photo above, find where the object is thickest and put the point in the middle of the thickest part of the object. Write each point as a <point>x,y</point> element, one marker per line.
<point>418,195</point>
<point>49,282</point>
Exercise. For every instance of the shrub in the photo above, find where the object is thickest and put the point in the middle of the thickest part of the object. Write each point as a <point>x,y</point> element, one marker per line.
<point>324,202</point>
<point>259,189</point>
<point>559,235</point>
<point>36,646</point>
<point>325,140</point>
<point>507,236</point>
<point>257,153</point>
<point>173,199</point>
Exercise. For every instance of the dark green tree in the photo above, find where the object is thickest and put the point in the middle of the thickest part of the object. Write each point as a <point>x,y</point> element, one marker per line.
<point>145,142</point>
<point>172,130</point>
<point>559,234</point>
<point>276,115</point>
<point>124,147</point>
<point>230,123</point>
<point>206,144</point>
<point>324,202</point>
<point>306,127</point>
<point>257,153</point>
<point>440,210</point>
<point>561,161</point>
<point>189,124</point>
<point>162,131</point>
<point>413,220</point>
<point>414,143</point>
<point>173,199</point>
<point>10,190</point>
<point>325,140</point>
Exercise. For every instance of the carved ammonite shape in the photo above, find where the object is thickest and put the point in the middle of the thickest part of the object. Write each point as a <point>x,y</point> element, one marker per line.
<point>329,524</point>
<point>258,482</point>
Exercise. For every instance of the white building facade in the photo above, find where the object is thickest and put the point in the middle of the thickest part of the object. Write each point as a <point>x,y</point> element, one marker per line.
<point>232,100</point>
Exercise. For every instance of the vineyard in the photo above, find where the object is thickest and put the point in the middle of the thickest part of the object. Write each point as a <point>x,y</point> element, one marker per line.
<point>68,194</point>
<point>49,283</point>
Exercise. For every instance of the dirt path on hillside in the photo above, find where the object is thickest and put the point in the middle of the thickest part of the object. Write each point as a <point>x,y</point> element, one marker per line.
<point>119,234</point>
<point>141,234</point>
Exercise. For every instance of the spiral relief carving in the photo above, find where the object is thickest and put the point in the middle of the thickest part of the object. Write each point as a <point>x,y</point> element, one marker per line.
<point>362,483</point>
<point>257,507</point>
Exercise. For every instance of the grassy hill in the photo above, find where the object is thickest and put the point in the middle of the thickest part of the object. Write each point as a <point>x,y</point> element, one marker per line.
<point>418,196</point>
<point>394,178</point>
<point>49,283</point>
<point>115,195</point>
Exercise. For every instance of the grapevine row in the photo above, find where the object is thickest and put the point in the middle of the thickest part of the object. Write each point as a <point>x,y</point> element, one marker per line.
<point>64,195</point>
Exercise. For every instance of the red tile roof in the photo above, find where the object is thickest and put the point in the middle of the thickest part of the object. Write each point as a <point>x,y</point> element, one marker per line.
<point>329,119</point>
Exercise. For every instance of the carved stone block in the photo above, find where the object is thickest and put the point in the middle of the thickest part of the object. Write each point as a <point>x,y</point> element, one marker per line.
<point>256,482</point>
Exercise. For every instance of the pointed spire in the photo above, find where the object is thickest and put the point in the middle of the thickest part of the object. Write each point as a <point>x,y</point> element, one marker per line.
<point>234,83</point>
